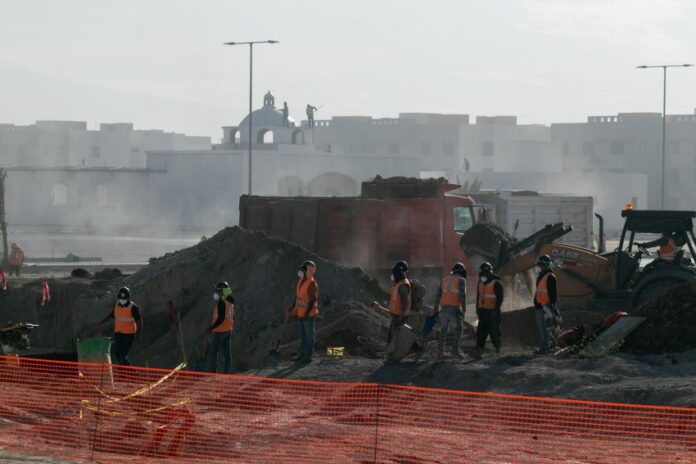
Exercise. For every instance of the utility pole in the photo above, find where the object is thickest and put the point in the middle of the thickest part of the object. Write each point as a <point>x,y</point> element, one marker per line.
<point>251,80</point>
<point>664,120</point>
<point>3,221</point>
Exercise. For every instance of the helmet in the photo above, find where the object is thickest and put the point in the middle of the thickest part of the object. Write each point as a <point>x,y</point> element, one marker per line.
<point>124,293</point>
<point>401,266</point>
<point>485,268</point>
<point>307,264</point>
<point>544,260</point>
<point>458,267</point>
<point>223,289</point>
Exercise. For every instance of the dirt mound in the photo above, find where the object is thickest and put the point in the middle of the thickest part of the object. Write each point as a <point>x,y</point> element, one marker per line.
<point>261,272</point>
<point>671,324</point>
<point>108,274</point>
<point>519,327</point>
<point>489,241</point>
<point>81,273</point>
<point>400,187</point>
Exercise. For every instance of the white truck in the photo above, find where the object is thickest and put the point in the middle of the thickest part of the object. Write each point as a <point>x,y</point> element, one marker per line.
<point>521,213</point>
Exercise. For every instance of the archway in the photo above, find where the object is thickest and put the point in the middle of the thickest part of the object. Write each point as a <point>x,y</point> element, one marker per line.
<point>60,194</point>
<point>265,137</point>
<point>332,184</point>
<point>291,186</point>
<point>298,137</point>
<point>235,136</point>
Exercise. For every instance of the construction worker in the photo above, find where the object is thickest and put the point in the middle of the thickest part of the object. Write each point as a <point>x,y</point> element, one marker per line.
<point>221,326</point>
<point>451,296</point>
<point>489,299</point>
<point>545,299</point>
<point>670,246</point>
<point>127,323</point>
<point>16,259</point>
<point>286,115</point>
<point>310,114</point>
<point>306,309</point>
<point>400,300</point>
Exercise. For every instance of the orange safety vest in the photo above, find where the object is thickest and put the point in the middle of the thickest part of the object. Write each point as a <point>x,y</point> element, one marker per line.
<point>542,291</point>
<point>395,300</point>
<point>123,315</point>
<point>450,291</point>
<point>17,257</point>
<point>669,250</point>
<point>486,295</point>
<point>228,324</point>
<point>302,299</point>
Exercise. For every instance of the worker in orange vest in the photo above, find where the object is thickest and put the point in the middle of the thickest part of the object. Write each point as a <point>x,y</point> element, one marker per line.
<point>400,298</point>
<point>16,259</point>
<point>305,307</point>
<point>449,306</point>
<point>127,323</point>
<point>489,299</point>
<point>221,326</point>
<point>545,298</point>
<point>670,246</point>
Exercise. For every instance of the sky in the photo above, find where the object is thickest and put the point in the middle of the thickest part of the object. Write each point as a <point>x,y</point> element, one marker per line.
<point>161,64</point>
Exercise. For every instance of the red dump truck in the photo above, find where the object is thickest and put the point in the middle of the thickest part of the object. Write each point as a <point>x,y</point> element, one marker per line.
<point>411,219</point>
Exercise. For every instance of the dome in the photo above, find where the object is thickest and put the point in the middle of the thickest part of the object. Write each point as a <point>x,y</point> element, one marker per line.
<point>267,116</point>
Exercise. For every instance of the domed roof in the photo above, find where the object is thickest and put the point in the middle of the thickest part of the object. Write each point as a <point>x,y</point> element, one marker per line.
<point>267,116</point>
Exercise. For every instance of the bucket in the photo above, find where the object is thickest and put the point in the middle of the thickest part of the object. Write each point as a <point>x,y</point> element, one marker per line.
<point>96,352</point>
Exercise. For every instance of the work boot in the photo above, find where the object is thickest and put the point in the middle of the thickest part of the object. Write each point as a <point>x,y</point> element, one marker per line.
<point>458,354</point>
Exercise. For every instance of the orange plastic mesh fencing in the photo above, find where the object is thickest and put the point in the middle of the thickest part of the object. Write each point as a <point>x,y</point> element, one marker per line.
<point>127,414</point>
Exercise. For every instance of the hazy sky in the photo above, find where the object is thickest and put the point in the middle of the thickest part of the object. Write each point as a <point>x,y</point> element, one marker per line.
<point>161,63</point>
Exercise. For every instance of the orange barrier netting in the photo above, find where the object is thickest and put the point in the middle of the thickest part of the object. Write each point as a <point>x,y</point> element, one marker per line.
<point>127,414</point>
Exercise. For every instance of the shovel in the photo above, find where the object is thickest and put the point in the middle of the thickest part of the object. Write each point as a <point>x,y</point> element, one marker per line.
<point>273,357</point>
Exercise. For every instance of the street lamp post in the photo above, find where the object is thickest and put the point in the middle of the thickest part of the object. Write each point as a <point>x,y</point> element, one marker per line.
<point>664,118</point>
<point>251,77</point>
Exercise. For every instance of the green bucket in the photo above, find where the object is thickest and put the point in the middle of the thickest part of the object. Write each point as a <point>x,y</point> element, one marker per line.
<point>94,350</point>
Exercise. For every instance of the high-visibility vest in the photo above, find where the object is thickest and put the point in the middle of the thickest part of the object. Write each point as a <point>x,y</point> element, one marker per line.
<point>17,257</point>
<point>125,323</point>
<point>669,250</point>
<point>395,299</point>
<point>542,291</point>
<point>228,323</point>
<point>302,299</point>
<point>450,291</point>
<point>486,298</point>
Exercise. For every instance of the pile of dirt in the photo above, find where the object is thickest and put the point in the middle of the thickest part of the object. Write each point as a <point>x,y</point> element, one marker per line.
<point>261,272</point>
<point>489,241</point>
<point>400,187</point>
<point>671,324</point>
<point>519,327</point>
<point>108,274</point>
<point>80,273</point>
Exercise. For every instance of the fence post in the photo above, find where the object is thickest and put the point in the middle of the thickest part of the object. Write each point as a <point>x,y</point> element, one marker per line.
<point>379,391</point>
<point>96,424</point>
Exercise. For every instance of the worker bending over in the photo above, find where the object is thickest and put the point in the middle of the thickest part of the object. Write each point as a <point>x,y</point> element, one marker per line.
<point>450,305</point>
<point>221,326</point>
<point>545,299</point>
<point>306,309</point>
<point>127,323</point>
<point>489,299</point>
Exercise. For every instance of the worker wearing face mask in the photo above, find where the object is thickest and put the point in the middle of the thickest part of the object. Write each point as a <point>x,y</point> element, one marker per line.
<point>545,299</point>
<point>489,299</point>
<point>127,323</point>
<point>400,298</point>
<point>221,326</point>
<point>451,298</point>
<point>306,309</point>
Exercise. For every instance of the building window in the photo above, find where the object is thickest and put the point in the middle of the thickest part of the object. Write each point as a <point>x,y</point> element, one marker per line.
<point>448,148</point>
<point>588,148</point>
<point>566,149</point>
<point>616,148</point>
<point>462,218</point>
<point>60,194</point>
<point>96,152</point>
<point>425,148</point>
<point>393,148</point>
<point>488,149</point>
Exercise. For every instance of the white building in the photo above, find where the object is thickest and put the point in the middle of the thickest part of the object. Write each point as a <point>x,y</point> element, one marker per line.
<point>70,143</point>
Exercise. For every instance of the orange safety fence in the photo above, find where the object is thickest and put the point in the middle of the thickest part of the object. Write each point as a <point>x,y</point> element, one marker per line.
<point>128,414</point>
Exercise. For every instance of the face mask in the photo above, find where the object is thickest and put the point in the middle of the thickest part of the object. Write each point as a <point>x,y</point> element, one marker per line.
<point>216,297</point>
<point>484,279</point>
<point>300,274</point>
<point>122,302</point>
<point>392,277</point>
<point>537,269</point>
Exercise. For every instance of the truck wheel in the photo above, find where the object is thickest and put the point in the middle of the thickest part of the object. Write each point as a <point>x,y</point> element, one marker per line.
<point>655,289</point>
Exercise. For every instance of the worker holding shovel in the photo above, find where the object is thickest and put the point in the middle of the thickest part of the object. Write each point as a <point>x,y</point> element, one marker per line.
<point>306,310</point>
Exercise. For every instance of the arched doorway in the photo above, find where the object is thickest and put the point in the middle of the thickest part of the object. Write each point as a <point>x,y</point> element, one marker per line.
<point>291,186</point>
<point>264,137</point>
<point>298,137</point>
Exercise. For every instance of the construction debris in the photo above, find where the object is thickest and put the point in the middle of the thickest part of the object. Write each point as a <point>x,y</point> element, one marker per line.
<point>489,241</point>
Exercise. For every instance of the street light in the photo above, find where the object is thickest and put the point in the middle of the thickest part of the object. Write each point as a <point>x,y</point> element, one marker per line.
<point>251,76</point>
<point>664,117</point>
